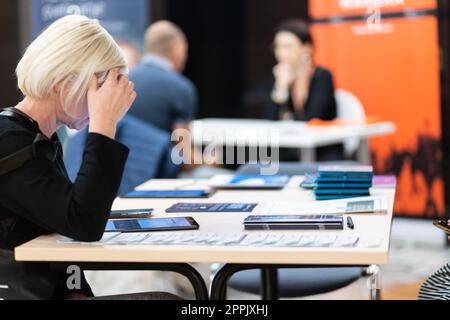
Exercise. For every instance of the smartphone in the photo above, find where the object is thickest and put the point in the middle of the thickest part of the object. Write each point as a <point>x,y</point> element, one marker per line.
<point>151,224</point>
<point>443,225</point>
<point>131,214</point>
<point>161,194</point>
<point>294,222</point>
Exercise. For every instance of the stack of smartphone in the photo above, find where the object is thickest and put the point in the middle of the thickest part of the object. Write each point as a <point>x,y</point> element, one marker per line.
<point>340,182</point>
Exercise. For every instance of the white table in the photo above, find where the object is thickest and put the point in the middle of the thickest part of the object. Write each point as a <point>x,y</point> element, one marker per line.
<point>286,134</point>
<point>177,257</point>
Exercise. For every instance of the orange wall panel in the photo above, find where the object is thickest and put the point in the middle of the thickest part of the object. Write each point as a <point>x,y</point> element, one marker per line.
<point>394,71</point>
<point>326,8</point>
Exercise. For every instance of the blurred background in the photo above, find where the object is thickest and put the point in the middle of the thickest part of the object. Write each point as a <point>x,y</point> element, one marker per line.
<point>400,71</point>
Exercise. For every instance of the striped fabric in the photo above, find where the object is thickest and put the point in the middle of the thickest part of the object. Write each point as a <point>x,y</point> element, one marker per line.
<point>437,287</point>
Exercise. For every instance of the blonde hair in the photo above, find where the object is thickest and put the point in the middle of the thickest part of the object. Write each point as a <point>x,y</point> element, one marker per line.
<point>66,56</point>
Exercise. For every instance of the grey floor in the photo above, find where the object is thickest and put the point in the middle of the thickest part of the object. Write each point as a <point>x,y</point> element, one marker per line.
<point>417,250</point>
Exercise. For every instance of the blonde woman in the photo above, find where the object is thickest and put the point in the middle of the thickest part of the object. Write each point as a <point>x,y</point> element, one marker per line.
<point>73,74</point>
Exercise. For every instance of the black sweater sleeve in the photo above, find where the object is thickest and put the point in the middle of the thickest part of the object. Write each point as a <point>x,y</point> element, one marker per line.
<point>43,195</point>
<point>321,103</point>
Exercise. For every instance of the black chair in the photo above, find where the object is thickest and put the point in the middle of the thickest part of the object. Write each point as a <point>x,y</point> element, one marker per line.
<point>33,281</point>
<point>23,281</point>
<point>301,282</point>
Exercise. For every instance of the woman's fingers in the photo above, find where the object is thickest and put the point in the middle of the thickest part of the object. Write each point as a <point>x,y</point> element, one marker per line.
<point>93,84</point>
<point>123,80</point>
<point>118,94</point>
<point>113,76</point>
<point>130,87</point>
<point>132,97</point>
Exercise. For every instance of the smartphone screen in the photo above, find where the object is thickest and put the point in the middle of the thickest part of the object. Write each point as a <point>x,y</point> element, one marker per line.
<point>160,224</point>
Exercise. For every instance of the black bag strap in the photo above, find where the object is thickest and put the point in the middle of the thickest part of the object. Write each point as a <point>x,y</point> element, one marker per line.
<point>19,158</point>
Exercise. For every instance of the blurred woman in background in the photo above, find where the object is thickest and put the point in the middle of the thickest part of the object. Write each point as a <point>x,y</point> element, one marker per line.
<point>302,91</point>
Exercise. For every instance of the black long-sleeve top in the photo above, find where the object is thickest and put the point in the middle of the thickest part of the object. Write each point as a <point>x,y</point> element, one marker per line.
<point>38,198</point>
<point>320,104</point>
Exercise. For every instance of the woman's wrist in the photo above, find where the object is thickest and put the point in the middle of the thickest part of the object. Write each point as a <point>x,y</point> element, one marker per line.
<point>105,128</point>
<point>280,94</point>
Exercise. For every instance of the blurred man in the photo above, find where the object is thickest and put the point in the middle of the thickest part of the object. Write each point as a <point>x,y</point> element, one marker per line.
<point>166,99</point>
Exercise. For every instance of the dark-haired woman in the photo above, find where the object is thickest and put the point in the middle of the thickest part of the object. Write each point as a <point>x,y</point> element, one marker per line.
<point>302,91</point>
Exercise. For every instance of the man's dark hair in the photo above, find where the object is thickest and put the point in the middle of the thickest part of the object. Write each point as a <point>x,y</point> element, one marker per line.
<point>298,27</point>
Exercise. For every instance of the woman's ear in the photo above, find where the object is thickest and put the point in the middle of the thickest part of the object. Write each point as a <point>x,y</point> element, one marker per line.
<point>56,89</point>
<point>308,48</point>
<point>308,52</point>
<point>56,92</point>
<point>63,86</point>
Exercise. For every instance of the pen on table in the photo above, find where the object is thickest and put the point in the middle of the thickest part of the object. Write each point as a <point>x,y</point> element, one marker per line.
<point>350,223</point>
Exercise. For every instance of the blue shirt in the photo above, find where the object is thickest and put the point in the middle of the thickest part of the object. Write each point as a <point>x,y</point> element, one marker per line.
<point>164,97</point>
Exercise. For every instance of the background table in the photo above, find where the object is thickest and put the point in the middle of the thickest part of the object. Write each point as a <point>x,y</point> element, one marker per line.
<point>291,134</point>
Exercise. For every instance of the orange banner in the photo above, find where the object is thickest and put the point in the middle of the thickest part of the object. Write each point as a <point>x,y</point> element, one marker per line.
<point>394,71</point>
<point>327,8</point>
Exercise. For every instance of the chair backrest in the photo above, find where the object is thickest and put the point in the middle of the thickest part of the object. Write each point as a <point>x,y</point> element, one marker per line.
<point>349,107</point>
<point>25,281</point>
<point>149,155</point>
<point>3,292</point>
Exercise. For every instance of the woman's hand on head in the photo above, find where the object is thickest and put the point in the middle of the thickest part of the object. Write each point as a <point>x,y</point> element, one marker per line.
<point>109,103</point>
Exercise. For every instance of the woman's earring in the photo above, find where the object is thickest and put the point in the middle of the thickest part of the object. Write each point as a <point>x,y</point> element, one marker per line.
<point>306,58</point>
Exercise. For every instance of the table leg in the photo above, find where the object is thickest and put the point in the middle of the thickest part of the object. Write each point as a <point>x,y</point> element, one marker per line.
<point>221,277</point>
<point>220,280</point>
<point>269,284</point>
<point>198,284</point>
<point>374,282</point>
<point>308,155</point>
<point>363,152</point>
